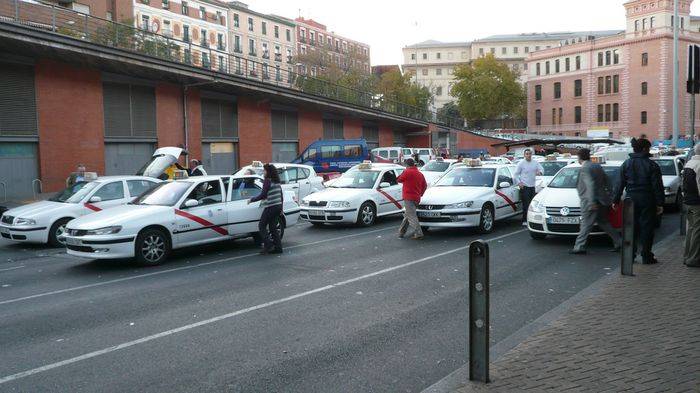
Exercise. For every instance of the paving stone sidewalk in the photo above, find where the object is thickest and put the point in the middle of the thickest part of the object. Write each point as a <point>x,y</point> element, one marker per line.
<point>638,334</point>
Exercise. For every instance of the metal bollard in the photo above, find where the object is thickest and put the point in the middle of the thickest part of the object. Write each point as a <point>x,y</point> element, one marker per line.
<point>684,220</point>
<point>479,311</point>
<point>627,254</point>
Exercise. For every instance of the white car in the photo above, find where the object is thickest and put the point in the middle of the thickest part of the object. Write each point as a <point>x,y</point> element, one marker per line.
<point>497,160</point>
<point>556,210</point>
<point>472,195</point>
<point>551,166</point>
<point>173,215</point>
<point>301,179</point>
<point>436,168</point>
<point>671,172</point>
<point>359,196</point>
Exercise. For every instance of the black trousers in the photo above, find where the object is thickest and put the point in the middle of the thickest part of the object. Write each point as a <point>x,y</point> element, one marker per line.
<point>644,224</point>
<point>268,227</point>
<point>526,194</point>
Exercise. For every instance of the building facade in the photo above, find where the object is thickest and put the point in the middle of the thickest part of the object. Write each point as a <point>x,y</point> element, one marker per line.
<point>314,37</point>
<point>620,84</point>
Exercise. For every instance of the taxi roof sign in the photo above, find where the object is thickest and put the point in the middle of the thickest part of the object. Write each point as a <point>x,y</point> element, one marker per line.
<point>566,155</point>
<point>598,160</point>
<point>551,157</point>
<point>365,165</point>
<point>472,162</point>
<point>90,176</point>
<point>257,164</point>
<point>180,174</point>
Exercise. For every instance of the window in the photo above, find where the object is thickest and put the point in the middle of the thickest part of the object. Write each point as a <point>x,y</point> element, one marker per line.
<point>608,57</point>
<point>504,50</point>
<point>243,189</point>
<point>188,56</point>
<point>608,84</point>
<point>616,57</point>
<point>413,56</point>
<point>578,62</point>
<point>251,47</point>
<point>185,33</point>
<point>644,88</point>
<point>438,91</point>
<point>561,115</point>
<point>567,64</point>
<point>437,55</point>
<point>616,112</point>
<point>331,152</point>
<point>616,83</point>
<point>515,50</point>
<point>538,117</point>
<point>332,129</point>
<point>556,66</point>
<point>203,36</point>
<point>600,59</point>
<point>207,193</point>
<point>129,110</point>
<point>237,44</point>
<point>110,191</point>
<point>608,112</point>
<point>145,24</point>
<point>166,4</point>
<point>578,88</point>
<point>645,59</point>
<point>236,21</point>
<point>138,187</point>
<point>219,118</point>
<point>438,71</point>
<point>577,115</point>
<point>651,22</point>
<point>185,9</point>
<point>481,51</point>
<point>289,35</point>
<point>264,28</point>
<point>202,13</point>
<point>250,24</point>
<point>537,47</point>
<point>554,115</point>
<point>167,29</point>
<point>557,90</point>
<point>644,24</point>
<point>493,51</point>
<point>644,117</point>
<point>205,60</point>
<point>527,49</point>
<point>538,69</point>
<point>636,25</point>
<point>546,67</point>
<point>601,85</point>
<point>601,109</point>
<point>277,31</point>
<point>285,125</point>
<point>220,41</point>
<point>425,55</point>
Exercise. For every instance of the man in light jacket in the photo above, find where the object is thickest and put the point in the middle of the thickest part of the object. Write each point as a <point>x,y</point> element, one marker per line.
<point>596,197</point>
<point>526,176</point>
<point>691,200</point>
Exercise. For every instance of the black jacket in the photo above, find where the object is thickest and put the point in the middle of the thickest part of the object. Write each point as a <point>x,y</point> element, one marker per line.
<point>638,175</point>
<point>691,182</point>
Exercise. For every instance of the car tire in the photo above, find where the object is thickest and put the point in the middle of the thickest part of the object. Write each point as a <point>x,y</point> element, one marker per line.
<point>152,247</point>
<point>538,236</point>
<point>486,219</point>
<point>57,229</point>
<point>366,215</point>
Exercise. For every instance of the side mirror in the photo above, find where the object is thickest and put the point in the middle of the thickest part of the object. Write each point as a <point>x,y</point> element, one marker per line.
<point>191,203</point>
<point>384,184</point>
<point>504,184</point>
<point>95,199</point>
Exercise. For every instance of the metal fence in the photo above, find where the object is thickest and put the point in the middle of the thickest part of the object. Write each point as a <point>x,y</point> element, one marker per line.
<point>84,27</point>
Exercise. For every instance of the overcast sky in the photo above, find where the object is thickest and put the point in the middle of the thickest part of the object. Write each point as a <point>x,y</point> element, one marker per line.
<point>387,26</point>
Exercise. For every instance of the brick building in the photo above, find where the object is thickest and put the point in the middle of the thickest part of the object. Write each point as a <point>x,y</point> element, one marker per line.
<point>621,84</point>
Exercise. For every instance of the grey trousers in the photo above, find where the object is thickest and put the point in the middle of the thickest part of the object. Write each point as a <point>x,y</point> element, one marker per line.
<point>588,220</point>
<point>410,219</point>
<point>691,256</point>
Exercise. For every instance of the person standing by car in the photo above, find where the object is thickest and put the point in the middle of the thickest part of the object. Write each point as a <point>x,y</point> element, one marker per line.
<point>414,186</point>
<point>197,168</point>
<point>596,197</point>
<point>526,176</point>
<point>272,198</point>
<point>691,199</point>
<point>641,177</point>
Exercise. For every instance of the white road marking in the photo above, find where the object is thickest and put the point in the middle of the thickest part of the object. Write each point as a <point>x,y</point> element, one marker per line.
<point>116,280</point>
<point>11,268</point>
<point>166,333</point>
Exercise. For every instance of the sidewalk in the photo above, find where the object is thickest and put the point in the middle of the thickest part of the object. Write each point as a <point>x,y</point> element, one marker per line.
<point>637,334</point>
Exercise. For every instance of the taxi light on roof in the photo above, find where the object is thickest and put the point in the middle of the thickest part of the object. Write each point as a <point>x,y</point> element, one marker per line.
<point>90,176</point>
<point>367,162</point>
<point>598,160</point>
<point>365,165</point>
<point>566,155</point>
<point>551,157</point>
<point>180,174</point>
<point>472,161</point>
<point>257,164</point>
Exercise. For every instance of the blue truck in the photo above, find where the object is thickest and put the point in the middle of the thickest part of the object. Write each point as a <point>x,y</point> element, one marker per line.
<point>334,155</point>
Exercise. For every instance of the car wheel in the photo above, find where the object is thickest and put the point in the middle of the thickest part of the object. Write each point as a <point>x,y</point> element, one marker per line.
<point>279,226</point>
<point>538,236</point>
<point>366,215</point>
<point>152,247</point>
<point>486,219</point>
<point>58,229</point>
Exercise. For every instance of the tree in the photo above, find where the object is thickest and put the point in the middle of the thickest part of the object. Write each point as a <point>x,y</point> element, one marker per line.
<point>396,88</point>
<point>488,89</point>
<point>449,114</point>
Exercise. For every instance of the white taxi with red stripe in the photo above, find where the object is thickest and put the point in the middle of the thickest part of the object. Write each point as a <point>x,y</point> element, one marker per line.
<point>471,195</point>
<point>45,221</point>
<point>363,193</point>
<point>175,214</point>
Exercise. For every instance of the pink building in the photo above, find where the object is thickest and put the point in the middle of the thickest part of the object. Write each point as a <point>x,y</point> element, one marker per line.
<point>620,83</point>
<point>344,52</point>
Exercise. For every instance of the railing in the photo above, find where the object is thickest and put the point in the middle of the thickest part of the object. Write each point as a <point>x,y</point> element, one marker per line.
<point>66,22</point>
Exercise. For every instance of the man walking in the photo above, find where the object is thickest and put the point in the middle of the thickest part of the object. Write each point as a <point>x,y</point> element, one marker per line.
<point>691,199</point>
<point>641,177</point>
<point>526,176</point>
<point>414,186</point>
<point>594,192</point>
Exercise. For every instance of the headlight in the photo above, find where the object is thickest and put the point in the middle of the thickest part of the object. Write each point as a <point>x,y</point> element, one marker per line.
<point>304,202</point>
<point>461,205</point>
<point>536,207</point>
<point>339,204</point>
<point>25,221</point>
<point>103,231</point>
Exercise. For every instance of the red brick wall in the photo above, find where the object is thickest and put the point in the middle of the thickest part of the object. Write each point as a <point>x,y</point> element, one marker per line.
<point>466,140</point>
<point>418,140</point>
<point>71,121</point>
<point>194,123</point>
<point>386,135</point>
<point>254,130</point>
<point>169,115</point>
<point>310,128</point>
<point>352,128</point>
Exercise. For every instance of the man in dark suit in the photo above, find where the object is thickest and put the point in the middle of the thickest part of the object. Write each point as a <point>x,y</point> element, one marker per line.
<point>594,191</point>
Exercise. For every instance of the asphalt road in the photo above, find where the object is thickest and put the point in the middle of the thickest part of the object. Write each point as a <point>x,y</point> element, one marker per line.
<point>344,309</point>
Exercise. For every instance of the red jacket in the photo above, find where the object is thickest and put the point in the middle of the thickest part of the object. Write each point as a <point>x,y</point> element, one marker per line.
<point>414,184</point>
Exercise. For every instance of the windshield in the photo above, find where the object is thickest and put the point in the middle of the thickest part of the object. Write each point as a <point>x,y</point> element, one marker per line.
<point>566,178</point>
<point>156,166</point>
<point>436,166</point>
<point>74,193</point>
<point>552,167</point>
<point>164,194</point>
<point>668,167</point>
<point>468,177</point>
<point>356,179</point>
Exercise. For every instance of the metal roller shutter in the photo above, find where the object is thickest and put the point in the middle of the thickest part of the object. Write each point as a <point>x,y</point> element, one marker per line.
<point>17,100</point>
<point>126,158</point>
<point>18,168</point>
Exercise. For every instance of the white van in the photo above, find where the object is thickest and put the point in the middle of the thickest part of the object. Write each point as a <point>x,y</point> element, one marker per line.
<point>396,154</point>
<point>425,154</point>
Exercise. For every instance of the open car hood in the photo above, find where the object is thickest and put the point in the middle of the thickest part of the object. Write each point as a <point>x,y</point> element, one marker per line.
<point>162,159</point>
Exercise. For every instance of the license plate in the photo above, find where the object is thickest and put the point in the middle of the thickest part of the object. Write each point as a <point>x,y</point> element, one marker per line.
<point>72,241</point>
<point>428,214</point>
<point>316,212</point>
<point>563,220</point>
<point>5,231</point>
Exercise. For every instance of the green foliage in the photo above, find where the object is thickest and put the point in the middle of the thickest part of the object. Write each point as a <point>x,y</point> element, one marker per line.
<point>449,114</point>
<point>488,89</point>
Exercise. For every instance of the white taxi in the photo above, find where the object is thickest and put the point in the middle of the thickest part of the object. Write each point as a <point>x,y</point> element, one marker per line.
<point>471,195</point>
<point>551,165</point>
<point>301,179</point>
<point>175,214</point>
<point>363,193</point>
<point>671,172</point>
<point>436,168</point>
<point>556,210</point>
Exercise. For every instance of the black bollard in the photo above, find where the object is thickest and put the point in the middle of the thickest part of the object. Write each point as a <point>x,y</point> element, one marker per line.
<point>479,311</point>
<point>627,254</point>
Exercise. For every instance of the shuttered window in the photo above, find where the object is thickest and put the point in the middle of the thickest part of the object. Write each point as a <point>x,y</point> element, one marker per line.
<point>370,131</point>
<point>129,110</point>
<point>332,129</point>
<point>17,101</point>
<point>399,138</point>
<point>219,118</point>
<point>285,125</point>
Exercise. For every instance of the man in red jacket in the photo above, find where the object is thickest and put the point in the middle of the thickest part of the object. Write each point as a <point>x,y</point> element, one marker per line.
<point>414,186</point>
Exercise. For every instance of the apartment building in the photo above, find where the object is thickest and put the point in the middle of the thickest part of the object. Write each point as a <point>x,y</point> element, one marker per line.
<point>342,51</point>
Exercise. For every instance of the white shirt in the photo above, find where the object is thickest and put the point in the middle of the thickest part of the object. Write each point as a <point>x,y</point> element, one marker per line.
<point>527,171</point>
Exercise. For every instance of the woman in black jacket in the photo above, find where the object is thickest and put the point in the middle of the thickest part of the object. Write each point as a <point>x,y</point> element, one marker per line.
<point>271,199</point>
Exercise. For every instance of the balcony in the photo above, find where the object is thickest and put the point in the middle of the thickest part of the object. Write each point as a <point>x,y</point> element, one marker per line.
<point>266,55</point>
<point>221,46</point>
<point>253,53</point>
<point>204,43</point>
<point>289,59</point>
<point>278,57</point>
